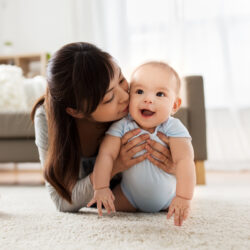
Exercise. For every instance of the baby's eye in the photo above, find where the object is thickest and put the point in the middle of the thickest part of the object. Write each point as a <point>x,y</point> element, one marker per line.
<point>160,94</point>
<point>139,91</point>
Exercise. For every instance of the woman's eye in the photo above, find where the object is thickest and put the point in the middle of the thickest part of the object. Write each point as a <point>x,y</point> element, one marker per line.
<point>122,80</point>
<point>110,100</point>
<point>160,94</point>
<point>139,91</point>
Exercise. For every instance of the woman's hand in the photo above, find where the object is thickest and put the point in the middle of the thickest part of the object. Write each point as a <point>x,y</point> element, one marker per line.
<point>162,155</point>
<point>128,149</point>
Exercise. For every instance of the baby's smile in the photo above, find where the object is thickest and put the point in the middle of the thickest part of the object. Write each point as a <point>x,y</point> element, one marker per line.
<point>147,112</point>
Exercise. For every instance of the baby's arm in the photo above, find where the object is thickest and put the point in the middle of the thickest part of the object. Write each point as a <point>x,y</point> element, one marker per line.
<point>183,157</point>
<point>108,152</point>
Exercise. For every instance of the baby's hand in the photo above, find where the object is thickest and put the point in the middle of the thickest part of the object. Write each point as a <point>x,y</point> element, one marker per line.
<point>180,207</point>
<point>103,196</point>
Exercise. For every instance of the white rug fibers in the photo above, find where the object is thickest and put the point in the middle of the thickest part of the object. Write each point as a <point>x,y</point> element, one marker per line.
<point>220,219</point>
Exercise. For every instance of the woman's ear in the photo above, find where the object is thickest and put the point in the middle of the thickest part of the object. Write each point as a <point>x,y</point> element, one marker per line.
<point>176,106</point>
<point>74,113</point>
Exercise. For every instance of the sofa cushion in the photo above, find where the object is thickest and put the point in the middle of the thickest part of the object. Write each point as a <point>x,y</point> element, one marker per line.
<point>182,114</point>
<point>16,125</point>
<point>19,124</point>
<point>20,150</point>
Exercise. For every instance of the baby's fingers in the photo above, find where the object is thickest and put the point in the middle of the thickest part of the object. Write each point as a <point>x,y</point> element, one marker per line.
<point>177,217</point>
<point>185,214</point>
<point>99,207</point>
<point>170,212</point>
<point>107,207</point>
<point>112,206</point>
<point>93,201</point>
<point>181,217</point>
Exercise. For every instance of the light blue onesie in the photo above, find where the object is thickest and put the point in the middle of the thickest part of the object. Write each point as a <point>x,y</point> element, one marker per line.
<point>147,187</point>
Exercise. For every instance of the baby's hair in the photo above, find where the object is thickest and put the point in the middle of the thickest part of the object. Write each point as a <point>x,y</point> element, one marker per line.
<point>164,66</point>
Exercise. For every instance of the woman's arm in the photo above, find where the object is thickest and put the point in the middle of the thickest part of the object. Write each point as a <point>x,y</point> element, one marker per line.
<point>83,190</point>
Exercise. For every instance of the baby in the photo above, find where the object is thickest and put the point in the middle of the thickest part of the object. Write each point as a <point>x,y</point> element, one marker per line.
<point>154,97</point>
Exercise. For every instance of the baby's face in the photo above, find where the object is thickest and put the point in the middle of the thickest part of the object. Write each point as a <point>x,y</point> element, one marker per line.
<point>152,96</point>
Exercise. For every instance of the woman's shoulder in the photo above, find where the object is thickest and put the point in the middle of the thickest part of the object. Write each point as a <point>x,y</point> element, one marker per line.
<point>40,116</point>
<point>40,111</point>
<point>41,127</point>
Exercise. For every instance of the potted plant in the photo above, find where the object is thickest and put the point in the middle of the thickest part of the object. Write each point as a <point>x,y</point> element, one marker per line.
<point>7,47</point>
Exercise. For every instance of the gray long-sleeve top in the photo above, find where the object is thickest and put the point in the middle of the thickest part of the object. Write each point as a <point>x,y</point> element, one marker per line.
<point>83,190</point>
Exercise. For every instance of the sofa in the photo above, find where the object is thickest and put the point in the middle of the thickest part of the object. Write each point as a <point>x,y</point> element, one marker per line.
<point>17,131</point>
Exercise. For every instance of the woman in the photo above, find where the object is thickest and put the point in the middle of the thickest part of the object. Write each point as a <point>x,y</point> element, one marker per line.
<point>86,93</point>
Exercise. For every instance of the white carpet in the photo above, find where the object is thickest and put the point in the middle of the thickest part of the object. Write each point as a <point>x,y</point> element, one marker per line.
<point>220,220</point>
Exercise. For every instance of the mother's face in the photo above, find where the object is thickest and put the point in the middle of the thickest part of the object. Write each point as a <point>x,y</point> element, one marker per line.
<point>114,105</point>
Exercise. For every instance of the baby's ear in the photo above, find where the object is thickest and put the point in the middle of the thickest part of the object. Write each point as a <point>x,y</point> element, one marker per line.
<point>176,106</point>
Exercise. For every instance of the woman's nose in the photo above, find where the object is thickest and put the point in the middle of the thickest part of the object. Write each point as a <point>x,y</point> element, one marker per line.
<point>124,96</point>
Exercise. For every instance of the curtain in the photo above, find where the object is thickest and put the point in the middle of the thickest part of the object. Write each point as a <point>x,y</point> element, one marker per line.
<point>209,38</point>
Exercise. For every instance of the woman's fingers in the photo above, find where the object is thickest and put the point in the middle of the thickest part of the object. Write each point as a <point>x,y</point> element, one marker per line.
<point>138,159</point>
<point>163,137</point>
<point>157,163</point>
<point>136,149</point>
<point>161,156</point>
<point>139,139</point>
<point>156,154</point>
<point>160,148</point>
<point>129,135</point>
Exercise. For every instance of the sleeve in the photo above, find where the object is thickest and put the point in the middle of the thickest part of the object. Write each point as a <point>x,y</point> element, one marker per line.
<point>175,128</point>
<point>117,128</point>
<point>83,190</point>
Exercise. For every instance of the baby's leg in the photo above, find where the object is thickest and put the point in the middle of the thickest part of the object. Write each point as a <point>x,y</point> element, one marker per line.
<point>148,188</point>
<point>121,202</point>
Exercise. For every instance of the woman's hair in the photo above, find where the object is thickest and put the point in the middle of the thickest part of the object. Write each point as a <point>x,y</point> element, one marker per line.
<point>78,76</point>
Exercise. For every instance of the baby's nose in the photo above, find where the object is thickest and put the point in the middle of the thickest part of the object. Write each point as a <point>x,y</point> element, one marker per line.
<point>148,99</point>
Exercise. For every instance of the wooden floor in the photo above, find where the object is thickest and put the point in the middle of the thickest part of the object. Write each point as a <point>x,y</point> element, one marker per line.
<point>21,174</point>
<point>34,176</point>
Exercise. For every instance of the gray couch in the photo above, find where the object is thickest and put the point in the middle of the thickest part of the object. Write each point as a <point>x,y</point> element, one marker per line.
<point>17,131</point>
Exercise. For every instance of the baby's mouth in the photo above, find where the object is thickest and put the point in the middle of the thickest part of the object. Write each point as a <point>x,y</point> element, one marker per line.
<point>146,112</point>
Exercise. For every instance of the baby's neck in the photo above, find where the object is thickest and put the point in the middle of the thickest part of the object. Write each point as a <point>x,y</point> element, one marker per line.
<point>150,130</point>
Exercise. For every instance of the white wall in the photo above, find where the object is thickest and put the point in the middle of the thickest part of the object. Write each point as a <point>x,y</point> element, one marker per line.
<point>34,25</point>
